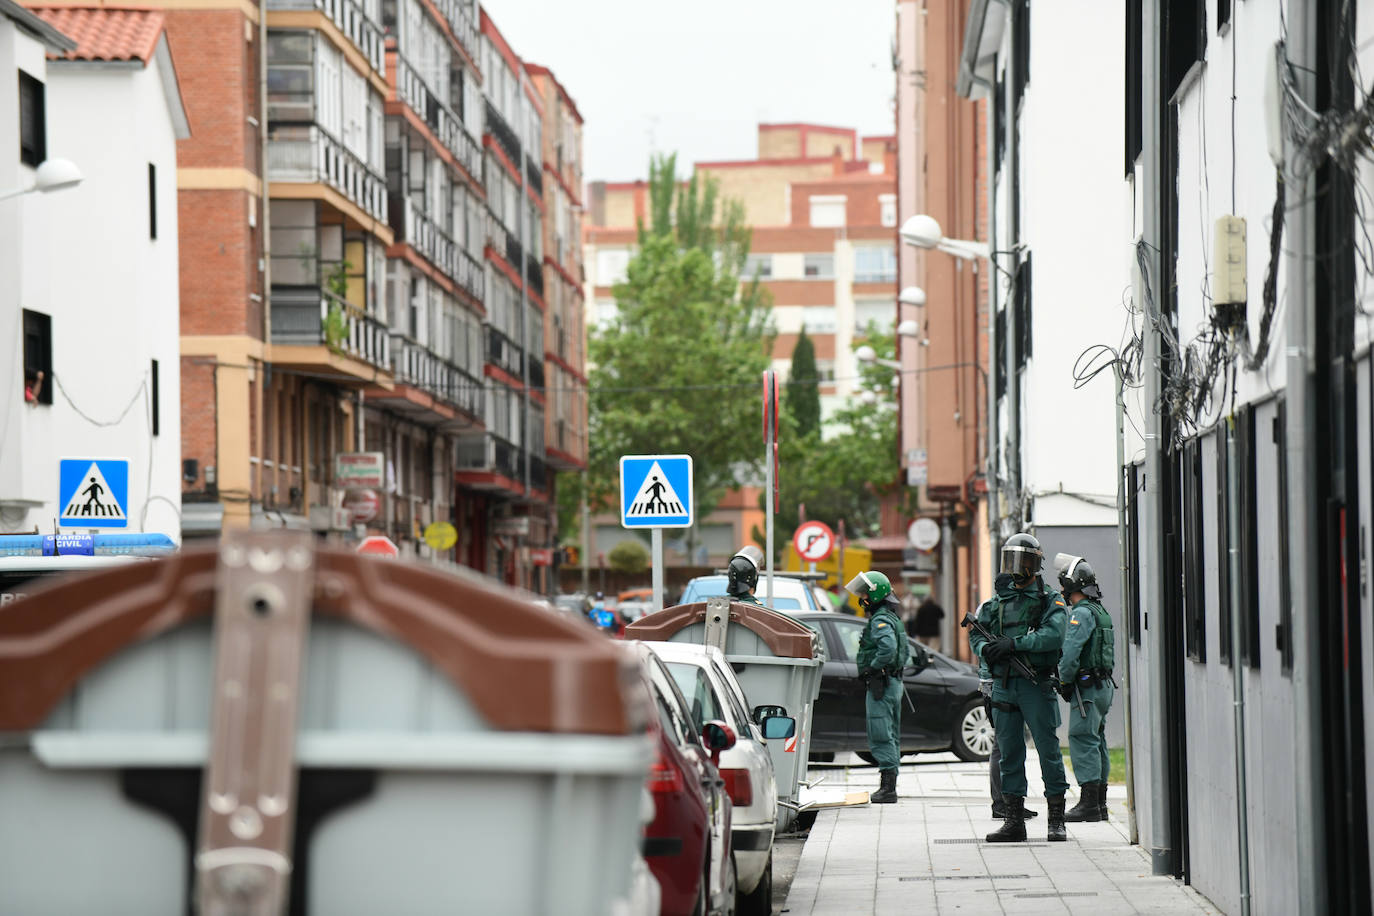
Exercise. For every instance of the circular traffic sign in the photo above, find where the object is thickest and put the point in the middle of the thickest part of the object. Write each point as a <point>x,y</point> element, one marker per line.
<point>441,535</point>
<point>814,541</point>
<point>924,533</point>
<point>378,545</point>
<point>363,505</point>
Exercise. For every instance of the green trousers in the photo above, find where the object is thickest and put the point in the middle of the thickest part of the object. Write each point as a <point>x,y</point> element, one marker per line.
<point>885,725</point>
<point>1088,734</point>
<point>1018,705</point>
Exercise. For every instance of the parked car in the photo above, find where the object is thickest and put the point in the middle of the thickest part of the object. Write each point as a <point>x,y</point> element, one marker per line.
<point>687,845</point>
<point>948,709</point>
<point>712,691</point>
<point>634,608</point>
<point>789,593</point>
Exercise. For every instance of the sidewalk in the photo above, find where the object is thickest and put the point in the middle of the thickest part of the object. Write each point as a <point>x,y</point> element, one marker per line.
<point>926,854</point>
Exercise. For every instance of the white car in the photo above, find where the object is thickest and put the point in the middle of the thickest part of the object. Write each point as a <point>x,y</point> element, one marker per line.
<point>789,593</point>
<point>712,691</point>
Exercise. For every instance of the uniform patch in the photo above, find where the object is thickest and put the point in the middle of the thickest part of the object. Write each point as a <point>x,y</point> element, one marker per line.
<point>881,624</point>
<point>1073,620</point>
<point>1060,603</point>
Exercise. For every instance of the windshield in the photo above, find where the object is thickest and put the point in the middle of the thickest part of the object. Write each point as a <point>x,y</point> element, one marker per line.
<point>788,594</point>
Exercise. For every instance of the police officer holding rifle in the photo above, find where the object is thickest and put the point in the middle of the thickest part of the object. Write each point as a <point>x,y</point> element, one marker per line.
<point>1086,674</point>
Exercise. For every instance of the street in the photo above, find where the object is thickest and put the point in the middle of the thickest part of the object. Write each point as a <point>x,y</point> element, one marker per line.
<point>925,854</point>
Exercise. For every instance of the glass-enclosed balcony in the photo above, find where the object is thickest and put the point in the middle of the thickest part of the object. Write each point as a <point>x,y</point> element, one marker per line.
<point>447,126</point>
<point>458,15</point>
<point>306,153</point>
<point>491,454</point>
<point>312,317</point>
<point>359,26</point>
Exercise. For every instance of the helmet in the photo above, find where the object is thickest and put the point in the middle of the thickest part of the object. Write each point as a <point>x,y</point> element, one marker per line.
<point>600,595</point>
<point>1075,575</point>
<point>871,588</point>
<point>743,571</point>
<point>1022,557</point>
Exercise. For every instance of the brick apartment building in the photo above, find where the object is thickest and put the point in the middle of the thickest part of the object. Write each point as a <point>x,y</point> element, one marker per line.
<point>361,271</point>
<point>821,202</point>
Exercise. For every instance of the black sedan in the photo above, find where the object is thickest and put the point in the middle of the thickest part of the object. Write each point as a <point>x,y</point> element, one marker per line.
<point>948,712</point>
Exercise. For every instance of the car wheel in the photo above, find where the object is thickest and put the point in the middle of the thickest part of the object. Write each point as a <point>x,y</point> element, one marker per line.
<point>760,901</point>
<point>973,733</point>
<point>731,886</point>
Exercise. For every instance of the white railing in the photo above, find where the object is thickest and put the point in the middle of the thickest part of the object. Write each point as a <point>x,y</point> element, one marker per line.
<point>313,316</point>
<point>461,23</point>
<point>431,241</point>
<point>416,365</point>
<point>318,157</point>
<point>365,34</point>
<point>446,125</point>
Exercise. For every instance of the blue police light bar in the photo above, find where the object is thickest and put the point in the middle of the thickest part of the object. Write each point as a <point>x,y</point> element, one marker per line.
<point>88,545</point>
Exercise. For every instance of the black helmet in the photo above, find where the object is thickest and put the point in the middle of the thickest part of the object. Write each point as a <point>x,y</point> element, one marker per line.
<point>1075,575</point>
<point>1022,557</point>
<point>743,571</point>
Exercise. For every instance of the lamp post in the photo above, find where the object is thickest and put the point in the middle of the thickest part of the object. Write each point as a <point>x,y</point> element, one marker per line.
<point>52,175</point>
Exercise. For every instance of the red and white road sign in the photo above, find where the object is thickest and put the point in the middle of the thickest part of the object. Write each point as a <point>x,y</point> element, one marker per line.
<point>790,745</point>
<point>363,505</point>
<point>814,541</point>
<point>378,546</point>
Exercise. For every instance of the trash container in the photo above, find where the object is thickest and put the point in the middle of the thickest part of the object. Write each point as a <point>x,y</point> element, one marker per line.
<point>313,732</point>
<point>777,660</point>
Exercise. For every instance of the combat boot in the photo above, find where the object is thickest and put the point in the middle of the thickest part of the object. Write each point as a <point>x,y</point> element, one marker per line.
<point>1086,809</point>
<point>1054,830</point>
<point>1013,829</point>
<point>887,790</point>
<point>999,811</point>
<point>1102,814</point>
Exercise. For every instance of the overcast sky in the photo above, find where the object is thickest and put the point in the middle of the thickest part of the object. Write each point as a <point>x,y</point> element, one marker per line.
<point>697,77</point>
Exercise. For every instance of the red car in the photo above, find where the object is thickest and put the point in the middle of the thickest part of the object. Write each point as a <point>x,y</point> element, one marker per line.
<point>687,846</point>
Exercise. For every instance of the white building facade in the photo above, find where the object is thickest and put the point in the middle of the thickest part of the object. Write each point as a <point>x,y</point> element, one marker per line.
<point>89,297</point>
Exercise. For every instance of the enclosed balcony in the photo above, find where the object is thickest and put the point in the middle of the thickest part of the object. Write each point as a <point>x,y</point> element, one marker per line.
<point>505,137</point>
<point>442,121</point>
<point>360,27</point>
<point>490,463</point>
<point>460,20</point>
<point>307,154</point>
<point>430,389</point>
<point>534,274</point>
<point>316,329</point>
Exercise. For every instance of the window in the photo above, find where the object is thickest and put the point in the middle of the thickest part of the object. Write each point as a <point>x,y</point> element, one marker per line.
<point>33,121</point>
<point>875,264</point>
<point>701,699</point>
<point>880,312</point>
<point>1284,633</point>
<point>887,209</point>
<point>1194,601</point>
<point>1021,36</point>
<point>850,635</point>
<point>1133,487</point>
<point>1022,304</point>
<point>825,370</point>
<point>295,247</point>
<point>290,77</point>
<point>1224,583</point>
<point>818,319</point>
<point>156,399</point>
<point>1134,18</point>
<point>819,266</point>
<point>760,265</point>
<point>1249,534</point>
<point>152,201</point>
<point>37,358</point>
<point>1223,16</point>
<point>1184,40</point>
<point>611,264</point>
<point>828,211</point>
<point>999,370</point>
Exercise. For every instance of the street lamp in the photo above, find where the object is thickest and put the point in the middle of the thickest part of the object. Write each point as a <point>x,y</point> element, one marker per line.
<point>52,175</point>
<point>923,231</point>
<point>912,295</point>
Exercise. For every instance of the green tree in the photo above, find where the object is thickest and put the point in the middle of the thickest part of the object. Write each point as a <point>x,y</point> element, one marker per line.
<point>630,557</point>
<point>803,387</point>
<point>678,370</point>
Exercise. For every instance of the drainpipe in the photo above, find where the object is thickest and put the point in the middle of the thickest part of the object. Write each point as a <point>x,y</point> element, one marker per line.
<point>1013,325</point>
<point>993,443</point>
<point>1300,434</point>
<point>1161,845</point>
<point>1237,668</point>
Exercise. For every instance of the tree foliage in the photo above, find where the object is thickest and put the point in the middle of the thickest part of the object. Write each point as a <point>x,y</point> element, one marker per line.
<point>678,370</point>
<point>629,557</point>
<point>803,387</point>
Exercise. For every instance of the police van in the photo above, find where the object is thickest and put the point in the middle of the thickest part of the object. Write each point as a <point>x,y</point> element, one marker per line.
<point>27,559</point>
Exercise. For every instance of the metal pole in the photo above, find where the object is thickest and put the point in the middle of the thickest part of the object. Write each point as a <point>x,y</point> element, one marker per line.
<point>586,542</point>
<point>1237,669</point>
<point>658,568</point>
<point>1121,497</point>
<point>768,514</point>
<point>1161,843</point>
<point>1300,434</point>
<point>947,583</point>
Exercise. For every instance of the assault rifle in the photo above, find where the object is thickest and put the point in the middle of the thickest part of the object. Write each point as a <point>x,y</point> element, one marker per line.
<point>1021,667</point>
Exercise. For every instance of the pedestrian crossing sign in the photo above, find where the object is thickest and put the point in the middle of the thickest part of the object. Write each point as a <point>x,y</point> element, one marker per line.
<point>93,492</point>
<point>656,491</point>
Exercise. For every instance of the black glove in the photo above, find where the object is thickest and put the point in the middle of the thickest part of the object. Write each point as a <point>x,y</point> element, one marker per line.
<point>998,649</point>
<point>1066,691</point>
<point>877,685</point>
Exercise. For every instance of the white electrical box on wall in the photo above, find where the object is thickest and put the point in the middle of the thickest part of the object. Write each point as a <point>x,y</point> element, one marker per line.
<point>1228,262</point>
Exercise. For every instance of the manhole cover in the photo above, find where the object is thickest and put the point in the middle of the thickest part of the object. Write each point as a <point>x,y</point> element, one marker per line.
<point>963,877</point>
<point>1039,894</point>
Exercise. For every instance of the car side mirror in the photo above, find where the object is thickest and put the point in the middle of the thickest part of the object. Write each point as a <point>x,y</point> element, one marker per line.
<point>779,727</point>
<point>763,713</point>
<point>717,736</point>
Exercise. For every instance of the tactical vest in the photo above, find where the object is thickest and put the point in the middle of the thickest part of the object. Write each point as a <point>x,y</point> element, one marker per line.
<point>867,645</point>
<point>1015,612</point>
<point>1099,654</point>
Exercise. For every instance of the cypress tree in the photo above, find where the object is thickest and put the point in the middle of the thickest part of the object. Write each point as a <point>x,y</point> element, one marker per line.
<point>803,387</point>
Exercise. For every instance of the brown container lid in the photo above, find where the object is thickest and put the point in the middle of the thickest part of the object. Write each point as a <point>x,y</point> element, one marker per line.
<point>787,637</point>
<point>524,667</point>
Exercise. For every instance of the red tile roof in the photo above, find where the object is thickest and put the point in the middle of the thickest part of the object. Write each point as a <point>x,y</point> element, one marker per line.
<point>106,33</point>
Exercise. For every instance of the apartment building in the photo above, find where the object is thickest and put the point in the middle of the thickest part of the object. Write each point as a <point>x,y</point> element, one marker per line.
<point>89,298</point>
<point>821,202</point>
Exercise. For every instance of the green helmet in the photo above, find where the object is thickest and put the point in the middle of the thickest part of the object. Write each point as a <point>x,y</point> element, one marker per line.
<point>869,587</point>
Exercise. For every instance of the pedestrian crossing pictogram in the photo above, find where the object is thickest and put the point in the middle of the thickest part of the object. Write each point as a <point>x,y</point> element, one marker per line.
<point>94,493</point>
<point>656,491</point>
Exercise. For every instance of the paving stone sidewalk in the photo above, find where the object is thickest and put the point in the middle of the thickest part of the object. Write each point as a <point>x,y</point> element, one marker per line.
<point>926,854</point>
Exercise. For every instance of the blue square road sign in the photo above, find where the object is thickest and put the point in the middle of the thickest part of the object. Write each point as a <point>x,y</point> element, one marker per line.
<point>93,493</point>
<point>656,491</point>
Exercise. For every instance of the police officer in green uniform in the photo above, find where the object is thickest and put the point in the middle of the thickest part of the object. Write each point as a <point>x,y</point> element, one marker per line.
<point>1026,619</point>
<point>883,653</point>
<point>742,575</point>
<point>1085,673</point>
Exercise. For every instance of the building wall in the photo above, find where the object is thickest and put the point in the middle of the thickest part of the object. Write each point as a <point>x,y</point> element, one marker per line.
<point>84,257</point>
<point>763,186</point>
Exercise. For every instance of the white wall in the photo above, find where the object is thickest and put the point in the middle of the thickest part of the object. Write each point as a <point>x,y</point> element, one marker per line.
<point>86,260</point>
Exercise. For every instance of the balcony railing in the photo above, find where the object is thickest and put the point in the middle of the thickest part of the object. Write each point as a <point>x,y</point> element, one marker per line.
<point>539,474</point>
<point>301,315</point>
<point>424,236</point>
<point>534,175</point>
<point>536,373</point>
<point>504,354</point>
<point>461,24</point>
<point>498,128</point>
<point>352,21</point>
<point>496,235</point>
<point>308,154</point>
<point>417,365</point>
<point>534,274</point>
<point>514,252</point>
<point>446,125</point>
<point>489,453</point>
